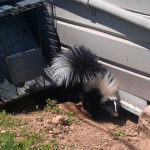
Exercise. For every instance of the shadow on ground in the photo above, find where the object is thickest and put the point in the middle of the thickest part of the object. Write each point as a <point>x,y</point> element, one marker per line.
<point>29,104</point>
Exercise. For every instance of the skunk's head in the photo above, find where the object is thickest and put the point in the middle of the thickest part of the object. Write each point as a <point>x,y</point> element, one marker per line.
<point>110,105</point>
<point>106,93</point>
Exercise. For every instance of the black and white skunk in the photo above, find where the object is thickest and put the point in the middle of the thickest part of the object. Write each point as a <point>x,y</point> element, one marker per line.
<point>79,69</point>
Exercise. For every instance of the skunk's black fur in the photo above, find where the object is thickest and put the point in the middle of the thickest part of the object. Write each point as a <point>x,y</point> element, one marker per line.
<point>79,69</point>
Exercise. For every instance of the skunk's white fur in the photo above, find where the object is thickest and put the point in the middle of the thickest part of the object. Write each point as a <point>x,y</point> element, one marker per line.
<point>60,70</point>
<point>79,66</point>
<point>106,84</point>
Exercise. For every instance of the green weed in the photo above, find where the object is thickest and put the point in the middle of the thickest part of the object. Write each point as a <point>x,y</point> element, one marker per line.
<point>30,134</point>
<point>54,143</point>
<point>20,139</point>
<point>8,142</point>
<point>52,106</point>
<point>72,147</point>
<point>8,121</point>
<point>70,116</point>
<point>44,147</point>
<point>120,133</point>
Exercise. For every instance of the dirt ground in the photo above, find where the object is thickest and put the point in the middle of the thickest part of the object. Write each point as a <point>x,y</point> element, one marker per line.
<point>105,133</point>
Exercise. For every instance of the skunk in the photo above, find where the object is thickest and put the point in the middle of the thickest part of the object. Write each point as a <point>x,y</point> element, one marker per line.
<point>79,69</point>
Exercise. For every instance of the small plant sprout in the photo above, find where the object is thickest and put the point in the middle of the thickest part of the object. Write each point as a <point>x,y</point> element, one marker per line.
<point>54,144</point>
<point>120,133</point>
<point>52,106</point>
<point>71,119</point>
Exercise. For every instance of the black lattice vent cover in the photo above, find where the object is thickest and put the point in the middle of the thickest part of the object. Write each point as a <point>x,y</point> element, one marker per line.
<point>34,28</point>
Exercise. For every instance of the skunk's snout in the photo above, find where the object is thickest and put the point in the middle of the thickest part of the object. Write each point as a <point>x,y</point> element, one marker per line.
<point>112,107</point>
<point>115,114</point>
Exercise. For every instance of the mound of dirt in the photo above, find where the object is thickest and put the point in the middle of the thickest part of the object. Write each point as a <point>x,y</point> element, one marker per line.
<point>106,133</point>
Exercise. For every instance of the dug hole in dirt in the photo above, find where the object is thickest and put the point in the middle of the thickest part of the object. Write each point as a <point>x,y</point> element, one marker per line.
<point>105,133</point>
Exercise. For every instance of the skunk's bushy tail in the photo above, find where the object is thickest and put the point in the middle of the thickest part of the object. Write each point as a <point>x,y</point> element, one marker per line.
<point>75,66</point>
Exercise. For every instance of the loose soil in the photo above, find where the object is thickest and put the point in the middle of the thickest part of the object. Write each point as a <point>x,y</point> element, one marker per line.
<point>105,133</point>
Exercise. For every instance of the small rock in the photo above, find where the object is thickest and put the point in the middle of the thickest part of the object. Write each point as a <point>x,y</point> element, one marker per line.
<point>59,120</point>
<point>144,122</point>
<point>51,132</point>
<point>61,136</point>
<point>2,131</point>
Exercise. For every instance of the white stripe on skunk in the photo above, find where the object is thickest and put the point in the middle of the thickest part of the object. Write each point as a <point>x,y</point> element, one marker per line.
<point>79,66</point>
